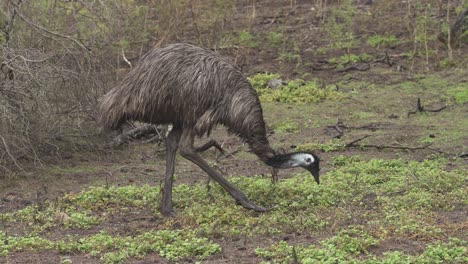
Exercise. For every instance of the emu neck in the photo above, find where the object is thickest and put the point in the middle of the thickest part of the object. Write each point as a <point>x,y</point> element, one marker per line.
<point>289,160</point>
<point>261,148</point>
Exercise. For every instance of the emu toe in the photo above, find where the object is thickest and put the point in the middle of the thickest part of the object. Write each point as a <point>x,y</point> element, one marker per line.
<point>249,205</point>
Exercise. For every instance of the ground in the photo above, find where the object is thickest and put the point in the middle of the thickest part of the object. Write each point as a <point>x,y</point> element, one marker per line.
<point>393,182</point>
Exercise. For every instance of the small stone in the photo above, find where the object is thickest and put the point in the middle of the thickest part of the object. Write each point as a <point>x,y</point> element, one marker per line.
<point>275,83</point>
<point>62,217</point>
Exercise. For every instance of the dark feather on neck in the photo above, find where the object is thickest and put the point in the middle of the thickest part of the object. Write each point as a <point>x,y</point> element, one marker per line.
<point>279,160</point>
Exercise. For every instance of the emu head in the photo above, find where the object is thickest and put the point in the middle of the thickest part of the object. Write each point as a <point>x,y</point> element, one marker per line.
<point>312,164</point>
<point>306,160</point>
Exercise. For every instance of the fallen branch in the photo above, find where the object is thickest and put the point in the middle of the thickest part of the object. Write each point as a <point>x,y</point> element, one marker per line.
<point>420,108</point>
<point>389,146</point>
<point>353,144</point>
<point>137,133</point>
<point>350,144</point>
<point>364,67</point>
<point>371,126</point>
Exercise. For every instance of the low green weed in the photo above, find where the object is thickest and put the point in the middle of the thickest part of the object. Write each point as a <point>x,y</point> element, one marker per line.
<point>101,196</point>
<point>296,91</point>
<point>346,248</point>
<point>359,204</point>
<point>363,115</point>
<point>275,39</point>
<point>286,126</point>
<point>378,41</point>
<point>344,160</point>
<point>17,243</point>
<point>81,221</point>
<point>343,247</point>
<point>260,80</point>
<point>459,93</point>
<point>172,245</point>
<point>293,56</point>
<point>453,251</point>
<point>246,39</point>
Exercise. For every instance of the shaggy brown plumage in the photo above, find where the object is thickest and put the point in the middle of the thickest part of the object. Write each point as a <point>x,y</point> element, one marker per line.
<point>192,87</point>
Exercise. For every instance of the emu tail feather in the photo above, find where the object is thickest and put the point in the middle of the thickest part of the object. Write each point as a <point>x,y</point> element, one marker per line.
<point>113,111</point>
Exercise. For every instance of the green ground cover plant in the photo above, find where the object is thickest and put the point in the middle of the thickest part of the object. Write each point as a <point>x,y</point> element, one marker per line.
<point>378,41</point>
<point>286,126</point>
<point>295,91</point>
<point>350,58</point>
<point>390,198</point>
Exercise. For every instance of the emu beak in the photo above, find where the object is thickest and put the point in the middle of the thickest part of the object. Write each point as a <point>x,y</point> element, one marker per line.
<point>314,169</point>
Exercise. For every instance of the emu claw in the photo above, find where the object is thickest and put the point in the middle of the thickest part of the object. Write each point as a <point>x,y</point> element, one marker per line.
<point>168,213</point>
<point>260,209</point>
<point>252,206</point>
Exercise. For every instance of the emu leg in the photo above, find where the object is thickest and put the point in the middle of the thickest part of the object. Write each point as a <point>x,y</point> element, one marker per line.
<point>189,152</point>
<point>274,175</point>
<point>204,147</point>
<point>172,143</point>
<point>210,144</point>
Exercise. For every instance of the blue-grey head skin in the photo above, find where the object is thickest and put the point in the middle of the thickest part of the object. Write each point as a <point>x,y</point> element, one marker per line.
<point>306,160</point>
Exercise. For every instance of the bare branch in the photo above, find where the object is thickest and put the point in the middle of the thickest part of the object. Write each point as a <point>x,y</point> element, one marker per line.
<point>126,60</point>
<point>7,150</point>
<point>41,28</point>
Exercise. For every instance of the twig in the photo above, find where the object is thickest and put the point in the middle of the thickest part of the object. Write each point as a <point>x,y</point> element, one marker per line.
<point>351,144</point>
<point>370,126</point>
<point>391,147</point>
<point>125,59</point>
<point>420,108</point>
<point>229,154</point>
<point>397,147</point>
<point>294,255</point>
<point>39,27</point>
<point>437,110</point>
<point>135,133</point>
<point>10,155</point>
<point>9,26</point>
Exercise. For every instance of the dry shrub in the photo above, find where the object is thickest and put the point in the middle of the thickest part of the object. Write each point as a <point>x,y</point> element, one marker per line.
<point>49,99</point>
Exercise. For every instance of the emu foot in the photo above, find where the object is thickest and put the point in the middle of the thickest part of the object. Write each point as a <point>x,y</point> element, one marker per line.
<point>249,205</point>
<point>168,211</point>
<point>274,175</point>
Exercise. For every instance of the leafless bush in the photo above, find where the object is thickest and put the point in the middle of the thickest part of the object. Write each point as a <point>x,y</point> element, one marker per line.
<point>50,98</point>
<point>49,85</point>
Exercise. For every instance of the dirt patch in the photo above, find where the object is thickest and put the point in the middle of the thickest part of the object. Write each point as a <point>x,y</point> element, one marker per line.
<point>410,247</point>
<point>46,258</point>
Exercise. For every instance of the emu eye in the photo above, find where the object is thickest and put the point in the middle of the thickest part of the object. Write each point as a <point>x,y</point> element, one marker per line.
<point>308,160</point>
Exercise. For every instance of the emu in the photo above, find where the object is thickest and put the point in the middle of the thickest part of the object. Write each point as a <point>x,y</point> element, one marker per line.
<point>194,90</point>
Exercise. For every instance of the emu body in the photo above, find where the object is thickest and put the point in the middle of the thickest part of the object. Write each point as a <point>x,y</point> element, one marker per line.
<point>194,90</point>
